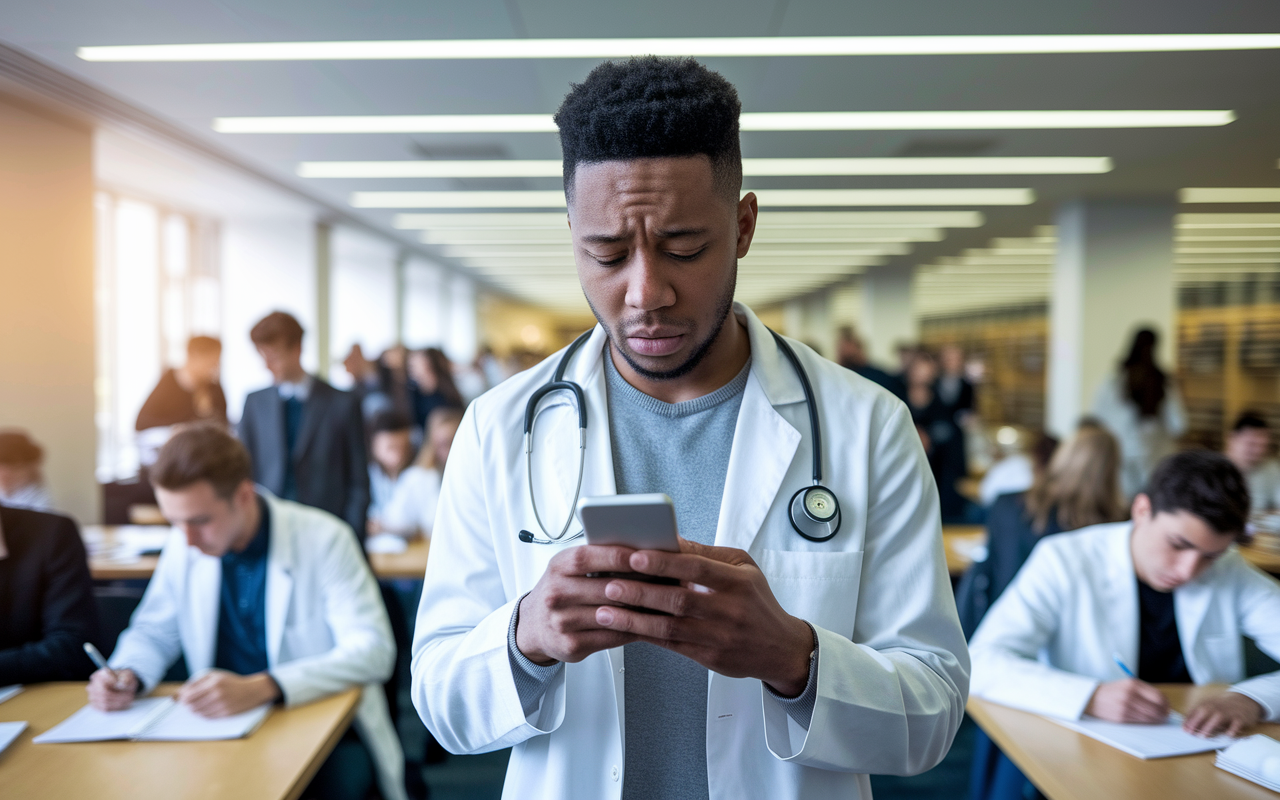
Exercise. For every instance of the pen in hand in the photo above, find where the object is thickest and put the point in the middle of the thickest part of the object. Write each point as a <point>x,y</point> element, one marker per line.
<point>101,663</point>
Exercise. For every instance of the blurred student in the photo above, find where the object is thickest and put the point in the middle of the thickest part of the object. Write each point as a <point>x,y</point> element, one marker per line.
<point>305,437</point>
<point>432,384</point>
<point>412,509</point>
<point>269,601</point>
<point>391,452</point>
<point>1165,595</point>
<point>21,478</point>
<point>939,434</point>
<point>1080,487</point>
<point>366,382</point>
<point>1016,471</point>
<point>1142,408</point>
<point>47,608</point>
<point>189,393</point>
<point>851,355</point>
<point>1248,447</point>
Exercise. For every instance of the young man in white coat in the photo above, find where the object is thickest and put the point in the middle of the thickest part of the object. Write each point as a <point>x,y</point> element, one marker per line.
<point>779,666</point>
<point>269,601</point>
<point>1166,595</point>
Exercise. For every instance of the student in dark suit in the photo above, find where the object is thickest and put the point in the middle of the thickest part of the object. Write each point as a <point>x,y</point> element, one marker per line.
<point>47,610</point>
<point>305,437</point>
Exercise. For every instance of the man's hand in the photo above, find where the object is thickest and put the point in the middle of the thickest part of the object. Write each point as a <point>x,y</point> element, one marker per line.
<point>722,615</point>
<point>112,690</point>
<point>218,693</point>
<point>557,620</point>
<point>1129,700</point>
<point>1229,713</point>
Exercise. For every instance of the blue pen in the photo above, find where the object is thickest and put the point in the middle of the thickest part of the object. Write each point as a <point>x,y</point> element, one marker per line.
<point>1120,663</point>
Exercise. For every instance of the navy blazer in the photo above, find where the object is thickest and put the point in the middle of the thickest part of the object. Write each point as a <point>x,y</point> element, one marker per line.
<point>47,608</point>
<point>330,465</point>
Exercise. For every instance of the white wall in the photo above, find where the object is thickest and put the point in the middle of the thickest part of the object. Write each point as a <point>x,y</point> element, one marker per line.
<point>426,310</point>
<point>460,345</point>
<point>267,265</point>
<point>362,305</point>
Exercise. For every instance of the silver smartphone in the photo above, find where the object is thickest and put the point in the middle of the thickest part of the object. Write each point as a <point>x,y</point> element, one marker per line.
<point>642,521</point>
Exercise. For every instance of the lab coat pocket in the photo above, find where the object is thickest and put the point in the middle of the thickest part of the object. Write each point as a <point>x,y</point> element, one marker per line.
<point>820,587</point>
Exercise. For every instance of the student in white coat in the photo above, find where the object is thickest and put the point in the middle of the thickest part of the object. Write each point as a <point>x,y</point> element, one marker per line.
<point>269,601</point>
<point>1166,595</point>
<point>782,667</point>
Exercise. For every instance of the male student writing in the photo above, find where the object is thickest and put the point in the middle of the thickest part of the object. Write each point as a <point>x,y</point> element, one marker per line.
<point>1165,595</point>
<point>268,601</point>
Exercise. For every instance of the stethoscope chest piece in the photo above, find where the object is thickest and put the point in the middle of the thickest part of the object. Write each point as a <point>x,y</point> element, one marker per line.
<point>815,513</point>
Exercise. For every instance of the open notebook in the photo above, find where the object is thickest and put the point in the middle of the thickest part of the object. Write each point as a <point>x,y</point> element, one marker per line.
<point>152,719</point>
<point>1146,741</point>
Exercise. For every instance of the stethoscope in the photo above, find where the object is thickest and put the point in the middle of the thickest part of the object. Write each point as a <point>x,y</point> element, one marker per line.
<point>814,510</point>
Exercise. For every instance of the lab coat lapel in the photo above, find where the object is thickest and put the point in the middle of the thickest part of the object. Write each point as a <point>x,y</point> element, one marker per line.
<point>204,596</point>
<point>1122,588</point>
<point>587,370</point>
<point>279,577</point>
<point>764,443</point>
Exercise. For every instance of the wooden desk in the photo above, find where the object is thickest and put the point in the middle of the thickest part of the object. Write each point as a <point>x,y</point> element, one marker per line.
<point>957,543</point>
<point>1266,560</point>
<point>410,564</point>
<point>276,762</point>
<point>1066,765</point>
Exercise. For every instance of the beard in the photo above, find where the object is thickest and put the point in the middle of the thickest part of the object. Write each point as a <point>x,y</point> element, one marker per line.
<point>724,304</point>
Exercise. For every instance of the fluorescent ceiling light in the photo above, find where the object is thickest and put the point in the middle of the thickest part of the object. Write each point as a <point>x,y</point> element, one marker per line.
<point>778,219</point>
<point>1229,221</point>
<point>1185,238</point>
<point>1224,250</point>
<point>1242,194</point>
<point>767,197</point>
<point>751,121</point>
<point>755,46</point>
<point>751,167</point>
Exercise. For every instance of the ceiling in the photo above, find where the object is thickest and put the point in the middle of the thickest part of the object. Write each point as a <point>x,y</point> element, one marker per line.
<point>1147,161</point>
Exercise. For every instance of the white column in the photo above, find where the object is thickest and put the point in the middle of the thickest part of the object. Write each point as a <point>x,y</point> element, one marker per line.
<point>1113,274</point>
<point>324,276</point>
<point>810,320</point>
<point>887,316</point>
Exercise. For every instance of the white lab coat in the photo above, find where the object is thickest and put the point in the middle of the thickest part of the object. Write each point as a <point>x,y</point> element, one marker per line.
<point>1143,441</point>
<point>1050,639</point>
<point>892,669</point>
<point>327,628</point>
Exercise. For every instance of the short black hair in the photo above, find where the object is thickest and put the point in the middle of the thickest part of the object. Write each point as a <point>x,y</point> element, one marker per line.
<point>1250,419</point>
<point>390,422</point>
<point>1205,484</point>
<point>651,107</point>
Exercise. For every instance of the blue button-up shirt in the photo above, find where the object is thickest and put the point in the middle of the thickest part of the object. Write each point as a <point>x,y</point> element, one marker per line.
<point>242,612</point>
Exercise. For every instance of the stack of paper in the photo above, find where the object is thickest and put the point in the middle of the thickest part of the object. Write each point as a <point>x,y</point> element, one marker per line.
<point>1256,758</point>
<point>1147,741</point>
<point>10,731</point>
<point>9,691</point>
<point>151,719</point>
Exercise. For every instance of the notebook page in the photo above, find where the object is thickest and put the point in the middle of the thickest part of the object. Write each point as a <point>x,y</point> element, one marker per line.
<point>91,725</point>
<point>9,691</point>
<point>182,724</point>
<point>10,731</point>
<point>1146,741</point>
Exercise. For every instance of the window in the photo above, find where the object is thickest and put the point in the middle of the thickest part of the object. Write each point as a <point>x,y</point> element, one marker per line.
<point>156,285</point>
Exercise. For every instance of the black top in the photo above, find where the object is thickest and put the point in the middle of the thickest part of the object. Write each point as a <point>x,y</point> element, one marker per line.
<point>879,376</point>
<point>242,608</point>
<point>47,609</point>
<point>170,404</point>
<point>1159,649</point>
